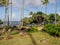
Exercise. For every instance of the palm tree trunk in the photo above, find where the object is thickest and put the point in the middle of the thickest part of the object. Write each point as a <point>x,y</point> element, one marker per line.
<point>22,13</point>
<point>46,9</point>
<point>5,16</point>
<point>55,12</point>
<point>45,12</point>
<point>6,9</point>
<point>11,14</point>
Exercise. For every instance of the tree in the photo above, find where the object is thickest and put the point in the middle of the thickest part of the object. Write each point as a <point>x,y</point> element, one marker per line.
<point>25,21</point>
<point>31,13</point>
<point>11,14</point>
<point>4,3</point>
<point>39,13</point>
<point>45,2</point>
<point>22,13</point>
<point>6,11</point>
<point>55,11</point>
<point>57,17</point>
<point>37,18</point>
<point>1,22</point>
<point>52,18</point>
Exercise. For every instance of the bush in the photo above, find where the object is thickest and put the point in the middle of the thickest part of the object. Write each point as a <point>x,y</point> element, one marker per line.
<point>7,27</point>
<point>15,27</point>
<point>52,29</point>
<point>33,29</point>
<point>58,29</point>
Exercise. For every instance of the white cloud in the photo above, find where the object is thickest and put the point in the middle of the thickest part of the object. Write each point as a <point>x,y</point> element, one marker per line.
<point>27,3</point>
<point>16,3</point>
<point>52,1</point>
<point>33,3</point>
<point>13,15</point>
<point>59,13</point>
<point>28,16</point>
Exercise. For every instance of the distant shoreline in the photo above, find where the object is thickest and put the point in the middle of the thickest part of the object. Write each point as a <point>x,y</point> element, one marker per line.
<point>14,23</point>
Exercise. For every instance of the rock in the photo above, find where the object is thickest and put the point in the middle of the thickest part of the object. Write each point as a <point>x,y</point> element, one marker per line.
<point>9,30</point>
<point>43,41</point>
<point>21,33</point>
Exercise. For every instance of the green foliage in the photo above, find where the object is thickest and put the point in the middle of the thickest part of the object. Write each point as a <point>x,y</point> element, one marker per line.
<point>1,22</point>
<point>32,29</point>
<point>45,1</point>
<point>52,29</point>
<point>39,17</point>
<point>31,13</point>
<point>7,27</point>
<point>2,3</point>
<point>49,28</point>
<point>58,29</point>
<point>26,21</point>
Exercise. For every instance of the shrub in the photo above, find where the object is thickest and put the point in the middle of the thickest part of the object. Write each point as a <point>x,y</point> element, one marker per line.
<point>7,27</point>
<point>15,27</point>
<point>58,29</point>
<point>52,29</point>
<point>32,29</point>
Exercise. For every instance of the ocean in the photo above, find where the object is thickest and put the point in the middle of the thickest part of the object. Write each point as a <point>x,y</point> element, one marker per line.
<point>14,23</point>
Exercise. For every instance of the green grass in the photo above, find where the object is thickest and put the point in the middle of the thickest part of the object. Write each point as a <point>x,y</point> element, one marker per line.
<point>31,39</point>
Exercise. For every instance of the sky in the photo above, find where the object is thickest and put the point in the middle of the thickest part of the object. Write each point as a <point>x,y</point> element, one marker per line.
<point>29,5</point>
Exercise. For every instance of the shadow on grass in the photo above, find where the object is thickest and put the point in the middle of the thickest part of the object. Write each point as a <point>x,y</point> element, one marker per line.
<point>33,40</point>
<point>13,33</point>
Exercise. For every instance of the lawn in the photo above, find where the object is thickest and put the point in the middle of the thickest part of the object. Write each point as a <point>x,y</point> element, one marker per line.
<point>36,38</point>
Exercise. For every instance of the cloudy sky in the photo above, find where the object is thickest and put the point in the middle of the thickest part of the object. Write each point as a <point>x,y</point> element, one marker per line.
<point>29,5</point>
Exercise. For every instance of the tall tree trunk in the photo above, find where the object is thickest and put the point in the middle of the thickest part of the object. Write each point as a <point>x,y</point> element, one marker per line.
<point>11,14</point>
<point>45,12</point>
<point>55,12</point>
<point>22,13</point>
<point>5,17</point>
<point>6,9</point>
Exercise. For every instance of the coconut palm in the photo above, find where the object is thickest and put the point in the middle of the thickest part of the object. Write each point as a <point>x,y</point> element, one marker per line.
<point>31,13</point>
<point>6,11</point>
<point>55,11</point>
<point>22,13</point>
<point>45,2</point>
<point>4,3</point>
<point>11,14</point>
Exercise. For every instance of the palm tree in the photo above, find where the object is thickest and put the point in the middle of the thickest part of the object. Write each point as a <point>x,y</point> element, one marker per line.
<point>6,11</point>
<point>3,4</point>
<point>52,18</point>
<point>55,11</point>
<point>22,13</point>
<point>46,3</point>
<point>31,13</point>
<point>11,14</point>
